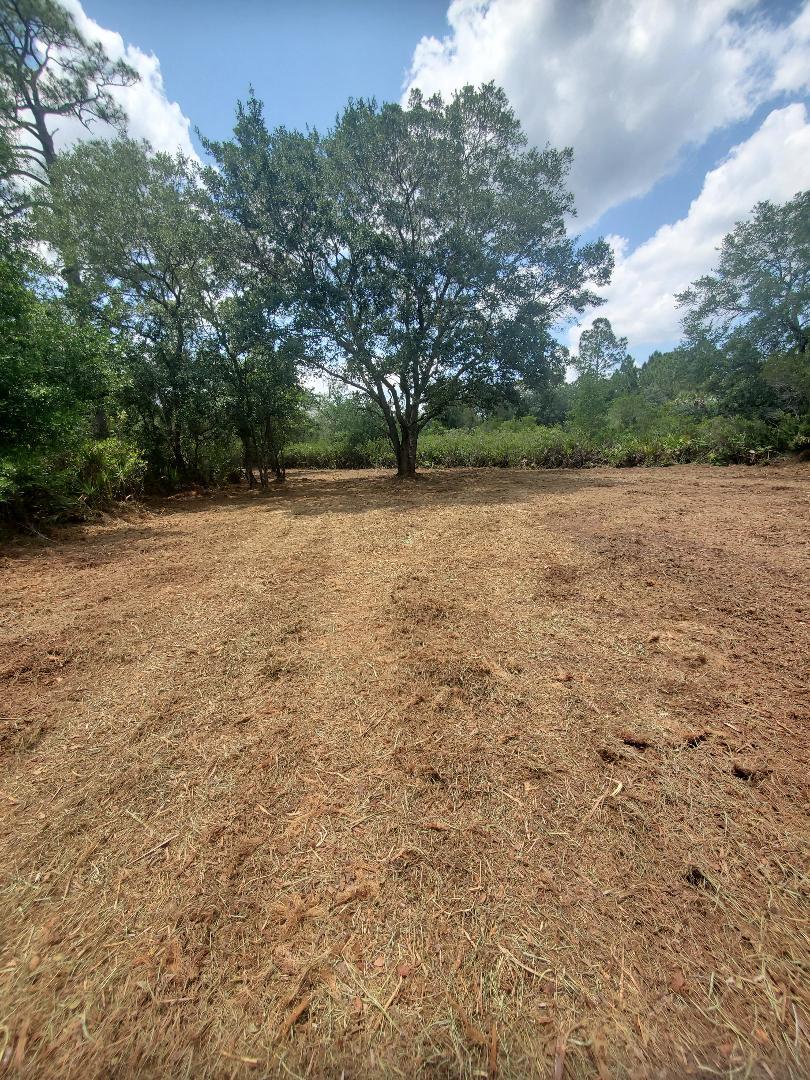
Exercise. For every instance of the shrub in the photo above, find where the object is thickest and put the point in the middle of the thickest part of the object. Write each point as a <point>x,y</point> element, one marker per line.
<point>526,445</point>
<point>68,482</point>
<point>733,440</point>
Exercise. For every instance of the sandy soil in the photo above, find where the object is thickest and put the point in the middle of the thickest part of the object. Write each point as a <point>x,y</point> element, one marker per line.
<point>491,773</point>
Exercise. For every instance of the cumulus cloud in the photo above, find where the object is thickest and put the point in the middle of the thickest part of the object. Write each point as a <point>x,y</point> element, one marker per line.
<point>150,113</point>
<point>640,301</point>
<point>628,83</point>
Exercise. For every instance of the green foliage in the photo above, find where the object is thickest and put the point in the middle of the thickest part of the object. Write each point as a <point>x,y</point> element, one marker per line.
<point>591,399</point>
<point>423,250</point>
<point>67,480</point>
<point>788,375</point>
<point>37,91</point>
<point>126,221</point>
<point>346,418</point>
<point>795,434</point>
<point>760,290</point>
<point>210,378</point>
<point>722,441</point>
<point>340,454</point>
<point>54,373</point>
<point>256,366</point>
<point>600,351</point>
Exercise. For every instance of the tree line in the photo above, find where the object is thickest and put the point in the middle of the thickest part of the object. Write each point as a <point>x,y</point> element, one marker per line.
<point>165,320</point>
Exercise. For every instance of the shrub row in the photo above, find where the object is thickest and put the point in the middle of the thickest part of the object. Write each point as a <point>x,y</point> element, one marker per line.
<point>721,441</point>
<point>84,475</point>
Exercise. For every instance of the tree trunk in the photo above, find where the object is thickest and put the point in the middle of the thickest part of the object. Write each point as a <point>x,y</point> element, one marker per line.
<point>247,459</point>
<point>100,425</point>
<point>279,468</point>
<point>406,452</point>
<point>177,454</point>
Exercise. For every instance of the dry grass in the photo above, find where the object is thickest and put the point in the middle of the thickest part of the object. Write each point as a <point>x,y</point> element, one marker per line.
<point>490,773</point>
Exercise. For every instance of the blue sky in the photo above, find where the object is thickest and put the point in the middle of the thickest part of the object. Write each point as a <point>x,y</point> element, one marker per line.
<point>681,113</point>
<point>305,58</point>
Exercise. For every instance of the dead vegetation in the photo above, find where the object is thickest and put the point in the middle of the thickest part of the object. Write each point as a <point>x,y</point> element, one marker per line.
<point>490,774</point>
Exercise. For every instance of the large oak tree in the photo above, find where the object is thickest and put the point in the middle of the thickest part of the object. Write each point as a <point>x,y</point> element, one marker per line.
<point>423,251</point>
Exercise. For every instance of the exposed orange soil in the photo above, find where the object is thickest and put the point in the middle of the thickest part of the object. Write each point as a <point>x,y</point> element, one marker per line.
<point>494,772</point>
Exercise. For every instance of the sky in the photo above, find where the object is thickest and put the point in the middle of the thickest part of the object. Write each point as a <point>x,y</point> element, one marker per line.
<point>682,113</point>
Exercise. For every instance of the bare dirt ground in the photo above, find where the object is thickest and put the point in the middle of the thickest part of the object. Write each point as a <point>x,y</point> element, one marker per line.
<point>491,773</point>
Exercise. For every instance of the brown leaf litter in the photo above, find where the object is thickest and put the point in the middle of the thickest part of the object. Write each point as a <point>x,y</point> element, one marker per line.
<point>491,774</point>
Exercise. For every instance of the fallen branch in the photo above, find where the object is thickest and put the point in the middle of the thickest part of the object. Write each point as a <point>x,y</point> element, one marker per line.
<point>525,967</point>
<point>157,847</point>
<point>294,1016</point>
<point>492,1062</point>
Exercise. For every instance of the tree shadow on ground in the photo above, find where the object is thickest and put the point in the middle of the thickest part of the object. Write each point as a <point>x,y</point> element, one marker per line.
<point>305,494</point>
<point>339,492</point>
<point>86,546</point>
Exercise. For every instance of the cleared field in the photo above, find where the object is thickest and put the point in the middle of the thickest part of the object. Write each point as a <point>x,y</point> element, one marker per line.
<point>493,772</point>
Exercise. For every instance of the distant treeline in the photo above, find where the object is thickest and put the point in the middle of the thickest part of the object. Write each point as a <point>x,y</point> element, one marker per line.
<point>162,321</point>
<point>656,414</point>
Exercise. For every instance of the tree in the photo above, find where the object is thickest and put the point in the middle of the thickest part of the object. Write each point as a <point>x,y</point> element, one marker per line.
<point>207,364</point>
<point>601,354</point>
<point>625,377</point>
<point>600,351</point>
<point>760,290</point>
<point>257,367</point>
<point>10,197</point>
<point>788,374</point>
<point>127,219</point>
<point>50,72</point>
<point>52,370</point>
<point>424,250</point>
<point>591,398</point>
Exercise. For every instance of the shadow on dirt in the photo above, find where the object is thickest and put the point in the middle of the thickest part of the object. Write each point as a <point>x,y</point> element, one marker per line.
<point>80,548</point>
<point>304,494</point>
<point>315,493</point>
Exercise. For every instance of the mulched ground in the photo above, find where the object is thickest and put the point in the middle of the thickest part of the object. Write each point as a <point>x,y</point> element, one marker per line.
<point>490,773</point>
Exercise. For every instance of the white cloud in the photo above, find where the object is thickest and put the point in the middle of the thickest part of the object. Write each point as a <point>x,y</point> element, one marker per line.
<point>792,55</point>
<point>628,83</point>
<point>150,113</point>
<point>774,164</point>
